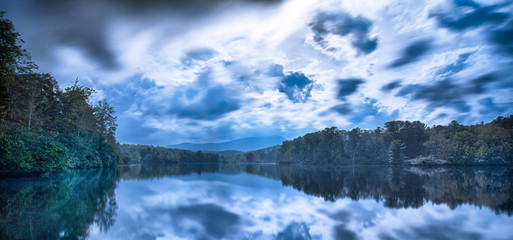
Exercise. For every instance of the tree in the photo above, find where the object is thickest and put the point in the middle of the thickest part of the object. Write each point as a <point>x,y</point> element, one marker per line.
<point>411,134</point>
<point>105,122</point>
<point>396,152</point>
<point>13,60</point>
<point>43,128</point>
<point>250,157</point>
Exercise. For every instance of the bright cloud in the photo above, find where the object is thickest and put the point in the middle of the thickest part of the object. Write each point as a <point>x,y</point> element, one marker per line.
<point>219,70</point>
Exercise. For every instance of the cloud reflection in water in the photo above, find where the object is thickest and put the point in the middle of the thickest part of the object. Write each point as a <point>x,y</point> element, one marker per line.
<point>243,206</point>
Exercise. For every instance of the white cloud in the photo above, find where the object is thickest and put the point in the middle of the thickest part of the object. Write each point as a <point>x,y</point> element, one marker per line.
<point>246,39</point>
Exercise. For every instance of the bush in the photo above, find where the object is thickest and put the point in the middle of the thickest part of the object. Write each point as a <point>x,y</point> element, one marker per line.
<point>32,151</point>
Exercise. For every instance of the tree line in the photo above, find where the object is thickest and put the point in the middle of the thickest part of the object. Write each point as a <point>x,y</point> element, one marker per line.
<point>45,128</point>
<point>397,143</point>
<point>146,154</point>
<point>405,142</point>
<point>140,154</point>
<point>264,155</point>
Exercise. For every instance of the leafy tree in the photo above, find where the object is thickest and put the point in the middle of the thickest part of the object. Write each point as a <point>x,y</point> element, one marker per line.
<point>43,128</point>
<point>396,152</point>
<point>405,142</point>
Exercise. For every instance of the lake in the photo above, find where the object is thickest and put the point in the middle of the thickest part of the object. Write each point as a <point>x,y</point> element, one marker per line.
<point>237,201</point>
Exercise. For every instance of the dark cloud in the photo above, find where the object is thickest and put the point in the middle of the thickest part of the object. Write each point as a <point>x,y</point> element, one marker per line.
<point>369,108</point>
<point>210,104</point>
<point>343,109</point>
<point>491,108</point>
<point>407,90</point>
<point>468,14</point>
<point>496,21</point>
<point>455,67</point>
<point>341,232</point>
<point>503,38</point>
<point>51,24</point>
<point>360,113</point>
<point>442,115</point>
<point>341,216</point>
<point>84,24</point>
<point>348,86</point>
<point>412,52</point>
<point>217,222</point>
<point>297,86</point>
<point>295,230</point>
<point>200,54</point>
<point>391,86</point>
<point>190,7</point>
<point>446,93</point>
<point>201,100</point>
<point>439,230</point>
<point>469,3</point>
<point>385,236</point>
<point>275,70</point>
<point>343,24</point>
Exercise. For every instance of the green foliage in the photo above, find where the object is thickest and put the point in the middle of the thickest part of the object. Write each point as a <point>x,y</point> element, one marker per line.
<point>396,152</point>
<point>58,205</point>
<point>32,152</point>
<point>405,142</point>
<point>333,146</point>
<point>150,154</point>
<point>264,155</point>
<point>43,128</point>
<point>488,144</point>
<point>411,134</point>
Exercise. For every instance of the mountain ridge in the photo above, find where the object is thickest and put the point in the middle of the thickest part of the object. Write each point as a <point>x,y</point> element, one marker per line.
<point>241,144</point>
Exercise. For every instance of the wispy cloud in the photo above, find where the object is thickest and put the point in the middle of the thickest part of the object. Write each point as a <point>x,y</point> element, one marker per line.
<point>218,70</point>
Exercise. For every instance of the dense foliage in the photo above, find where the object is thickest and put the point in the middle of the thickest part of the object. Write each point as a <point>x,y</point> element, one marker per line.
<point>58,205</point>
<point>151,154</point>
<point>42,127</point>
<point>154,154</point>
<point>264,155</point>
<point>398,143</point>
<point>402,142</point>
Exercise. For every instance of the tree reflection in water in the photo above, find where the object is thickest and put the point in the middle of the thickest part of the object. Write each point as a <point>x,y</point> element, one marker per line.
<point>396,186</point>
<point>66,205</point>
<point>61,205</point>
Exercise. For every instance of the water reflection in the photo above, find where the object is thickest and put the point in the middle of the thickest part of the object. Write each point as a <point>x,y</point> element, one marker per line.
<point>397,187</point>
<point>58,206</point>
<point>261,202</point>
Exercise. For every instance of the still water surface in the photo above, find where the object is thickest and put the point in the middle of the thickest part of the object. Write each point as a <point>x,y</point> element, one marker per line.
<point>260,202</point>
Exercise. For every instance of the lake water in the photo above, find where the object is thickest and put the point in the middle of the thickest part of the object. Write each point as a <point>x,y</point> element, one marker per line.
<point>260,202</point>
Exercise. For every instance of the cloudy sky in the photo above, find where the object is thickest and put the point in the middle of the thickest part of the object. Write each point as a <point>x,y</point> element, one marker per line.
<point>206,71</point>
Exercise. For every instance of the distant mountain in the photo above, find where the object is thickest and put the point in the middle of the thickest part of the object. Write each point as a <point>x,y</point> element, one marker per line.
<point>243,144</point>
<point>223,153</point>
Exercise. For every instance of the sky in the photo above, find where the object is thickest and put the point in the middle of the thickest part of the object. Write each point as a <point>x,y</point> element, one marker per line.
<point>217,70</point>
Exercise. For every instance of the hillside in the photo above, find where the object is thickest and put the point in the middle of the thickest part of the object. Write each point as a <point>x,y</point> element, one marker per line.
<point>243,144</point>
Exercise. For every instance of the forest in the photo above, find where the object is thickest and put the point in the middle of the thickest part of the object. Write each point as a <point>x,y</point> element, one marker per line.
<point>405,142</point>
<point>397,143</point>
<point>42,127</point>
<point>139,154</point>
